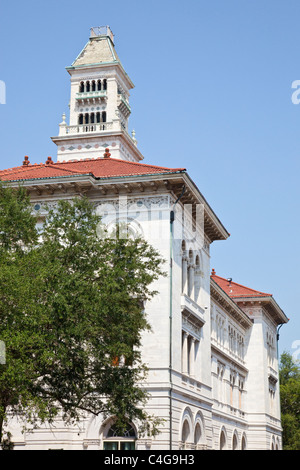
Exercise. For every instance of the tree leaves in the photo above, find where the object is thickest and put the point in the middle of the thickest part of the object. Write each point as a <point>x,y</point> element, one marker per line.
<point>290,401</point>
<point>70,303</point>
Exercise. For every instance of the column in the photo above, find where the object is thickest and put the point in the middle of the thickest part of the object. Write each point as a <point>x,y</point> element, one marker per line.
<point>191,280</point>
<point>192,356</point>
<point>184,273</point>
<point>184,365</point>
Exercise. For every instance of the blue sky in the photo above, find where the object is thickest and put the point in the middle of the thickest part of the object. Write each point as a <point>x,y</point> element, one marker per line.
<point>212,94</point>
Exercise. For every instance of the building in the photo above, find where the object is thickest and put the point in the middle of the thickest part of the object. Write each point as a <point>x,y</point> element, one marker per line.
<point>212,358</point>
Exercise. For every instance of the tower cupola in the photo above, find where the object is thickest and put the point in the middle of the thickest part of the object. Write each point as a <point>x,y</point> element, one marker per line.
<point>99,104</point>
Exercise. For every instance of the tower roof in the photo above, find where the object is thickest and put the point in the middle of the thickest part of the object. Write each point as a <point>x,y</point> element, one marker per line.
<point>99,49</point>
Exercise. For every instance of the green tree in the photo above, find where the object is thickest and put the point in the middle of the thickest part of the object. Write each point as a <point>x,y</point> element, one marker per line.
<point>72,316</point>
<point>290,401</point>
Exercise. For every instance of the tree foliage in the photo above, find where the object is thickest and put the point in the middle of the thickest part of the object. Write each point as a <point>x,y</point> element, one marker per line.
<point>71,315</point>
<point>290,401</point>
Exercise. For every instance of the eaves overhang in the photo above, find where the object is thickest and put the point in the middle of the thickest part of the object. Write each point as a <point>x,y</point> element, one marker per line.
<point>168,180</point>
<point>84,176</point>
<point>30,181</point>
<point>94,65</point>
<point>174,181</point>
<point>80,183</point>
<point>210,217</point>
<point>214,229</point>
<point>270,305</point>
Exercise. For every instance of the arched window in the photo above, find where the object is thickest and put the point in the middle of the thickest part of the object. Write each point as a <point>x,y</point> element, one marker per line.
<point>87,86</point>
<point>80,119</point>
<point>275,445</point>
<point>86,118</point>
<point>92,118</point>
<point>104,84</point>
<point>197,434</point>
<point>222,441</point>
<point>97,117</point>
<point>115,440</point>
<point>103,116</point>
<point>93,85</point>
<point>99,85</point>
<point>244,445</point>
<point>81,87</point>
<point>185,433</point>
<point>234,442</point>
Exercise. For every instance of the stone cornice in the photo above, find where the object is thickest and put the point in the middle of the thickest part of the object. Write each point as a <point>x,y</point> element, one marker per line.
<point>268,303</point>
<point>96,137</point>
<point>169,181</point>
<point>229,360</point>
<point>102,65</point>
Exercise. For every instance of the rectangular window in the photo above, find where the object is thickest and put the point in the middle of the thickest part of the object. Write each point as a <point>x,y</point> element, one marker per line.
<point>119,445</point>
<point>127,445</point>
<point>110,446</point>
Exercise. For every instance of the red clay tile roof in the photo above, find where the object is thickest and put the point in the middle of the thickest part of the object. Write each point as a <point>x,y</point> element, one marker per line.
<point>234,290</point>
<point>98,167</point>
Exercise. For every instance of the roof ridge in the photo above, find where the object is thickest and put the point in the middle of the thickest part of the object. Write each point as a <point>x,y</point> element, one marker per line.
<point>63,169</point>
<point>25,169</point>
<point>21,168</point>
<point>116,160</point>
<point>148,165</point>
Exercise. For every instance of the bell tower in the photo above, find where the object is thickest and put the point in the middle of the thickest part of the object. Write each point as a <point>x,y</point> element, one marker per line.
<point>99,104</point>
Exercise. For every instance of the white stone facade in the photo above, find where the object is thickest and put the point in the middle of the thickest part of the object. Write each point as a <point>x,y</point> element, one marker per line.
<point>213,368</point>
<point>223,366</point>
